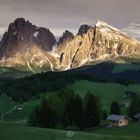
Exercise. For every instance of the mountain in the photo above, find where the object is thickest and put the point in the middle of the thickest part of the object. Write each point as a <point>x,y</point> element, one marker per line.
<point>67,36</point>
<point>96,44</point>
<point>25,46</point>
<point>28,47</point>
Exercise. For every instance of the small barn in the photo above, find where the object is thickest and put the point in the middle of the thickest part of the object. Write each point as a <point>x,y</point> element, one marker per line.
<point>137,117</point>
<point>118,120</point>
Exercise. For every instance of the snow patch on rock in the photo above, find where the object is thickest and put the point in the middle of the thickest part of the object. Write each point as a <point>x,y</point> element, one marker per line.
<point>36,33</point>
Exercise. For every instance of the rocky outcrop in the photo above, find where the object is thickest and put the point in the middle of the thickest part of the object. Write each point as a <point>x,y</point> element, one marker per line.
<point>83,29</point>
<point>27,47</point>
<point>67,36</point>
<point>21,40</point>
<point>100,43</point>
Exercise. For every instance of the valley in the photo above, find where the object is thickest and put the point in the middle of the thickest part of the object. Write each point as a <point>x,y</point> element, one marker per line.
<point>14,122</point>
<point>75,79</point>
<point>108,93</point>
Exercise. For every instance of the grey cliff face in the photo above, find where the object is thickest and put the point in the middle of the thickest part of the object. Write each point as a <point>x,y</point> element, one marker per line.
<point>67,36</point>
<point>25,44</point>
<point>21,34</point>
<point>83,29</point>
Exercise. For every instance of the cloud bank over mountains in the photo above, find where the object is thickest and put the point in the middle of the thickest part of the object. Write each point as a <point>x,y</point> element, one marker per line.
<point>59,15</point>
<point>133,29</point>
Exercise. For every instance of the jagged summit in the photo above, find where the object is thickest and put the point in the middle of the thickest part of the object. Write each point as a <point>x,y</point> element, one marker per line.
<point>96,44</point>
<point>83,29</point>
<point>21,34</point>
<point>101,23</point>
<point>26,46</point>
<point>67,36</point>
<point>106,27</point>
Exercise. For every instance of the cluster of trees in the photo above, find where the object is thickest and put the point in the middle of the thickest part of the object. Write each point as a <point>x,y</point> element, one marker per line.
<point>134,106</point>
<point>115,108</point>
<point>31,86</point>
<point>28,87</point>
<point>67,110</point>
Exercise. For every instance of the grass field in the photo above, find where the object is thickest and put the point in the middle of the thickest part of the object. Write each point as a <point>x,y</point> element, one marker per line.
<point>27,108</point>
<point>131,130</point>
<point>12,131</point>
<point>15,129</point>
<point>108,92</point>
<point>5,104</point>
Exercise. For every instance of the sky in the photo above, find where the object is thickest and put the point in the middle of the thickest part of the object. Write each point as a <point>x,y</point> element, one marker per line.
<point>59,15</point>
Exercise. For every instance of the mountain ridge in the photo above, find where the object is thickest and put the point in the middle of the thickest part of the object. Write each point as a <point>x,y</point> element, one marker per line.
<point>26,46</point>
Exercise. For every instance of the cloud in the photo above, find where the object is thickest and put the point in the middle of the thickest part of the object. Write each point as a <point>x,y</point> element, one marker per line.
<point>133,29</point>
<point>69,14</point>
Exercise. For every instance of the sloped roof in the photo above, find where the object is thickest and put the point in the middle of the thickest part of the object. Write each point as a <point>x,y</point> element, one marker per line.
<point>137,115</point>
<point>116,117</point>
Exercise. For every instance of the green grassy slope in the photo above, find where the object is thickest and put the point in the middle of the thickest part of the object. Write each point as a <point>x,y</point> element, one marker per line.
<point>131,130</point>
<point>108,92</point>
<point>21,116</point>
<point>5,104</point>
<point>11,131</point>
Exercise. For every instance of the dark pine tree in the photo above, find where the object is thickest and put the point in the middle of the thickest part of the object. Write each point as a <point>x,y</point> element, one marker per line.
<point>34,118</point>
<point>47,115</point>
<point>74,113</point>
<point>104,114</point>
<point>134,106</point>
<point>43,115</point>
<point>115,108</point>
<point>79,113</point>
<point>93,110</point>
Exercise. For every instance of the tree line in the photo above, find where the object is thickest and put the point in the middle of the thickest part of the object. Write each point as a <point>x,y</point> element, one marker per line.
<point>30,87</point>
<point>67,110</point>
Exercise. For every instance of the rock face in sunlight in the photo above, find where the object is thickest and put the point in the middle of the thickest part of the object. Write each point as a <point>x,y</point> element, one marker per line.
<point>100,43</point>
<point>30,47</point>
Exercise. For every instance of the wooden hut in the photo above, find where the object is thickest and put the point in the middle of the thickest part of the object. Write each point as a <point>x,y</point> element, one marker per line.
<point>118,120</point>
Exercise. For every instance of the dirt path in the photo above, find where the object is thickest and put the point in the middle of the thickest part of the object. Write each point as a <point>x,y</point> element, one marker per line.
<point>2,116</point>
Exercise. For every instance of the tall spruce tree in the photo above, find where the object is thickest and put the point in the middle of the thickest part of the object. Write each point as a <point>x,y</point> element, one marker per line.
<point>47,115</point>
<point>74,113</point>
<point>79,113</point>
<point>115,108</point>
<point>43,115</point>
<point>134,106</point>
<point>33,119</point>
<point>93,110</point>
<point>104,114</point>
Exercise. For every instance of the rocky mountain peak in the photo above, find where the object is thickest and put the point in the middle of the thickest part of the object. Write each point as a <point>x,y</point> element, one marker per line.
<point>83,29</point>
<point>30,46</point>
<point>19,25</point>
<point>26,45</point>
<point>96,44</point>
<point>106,28</point>
<point>67,36</point>
<point>22,34</point>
